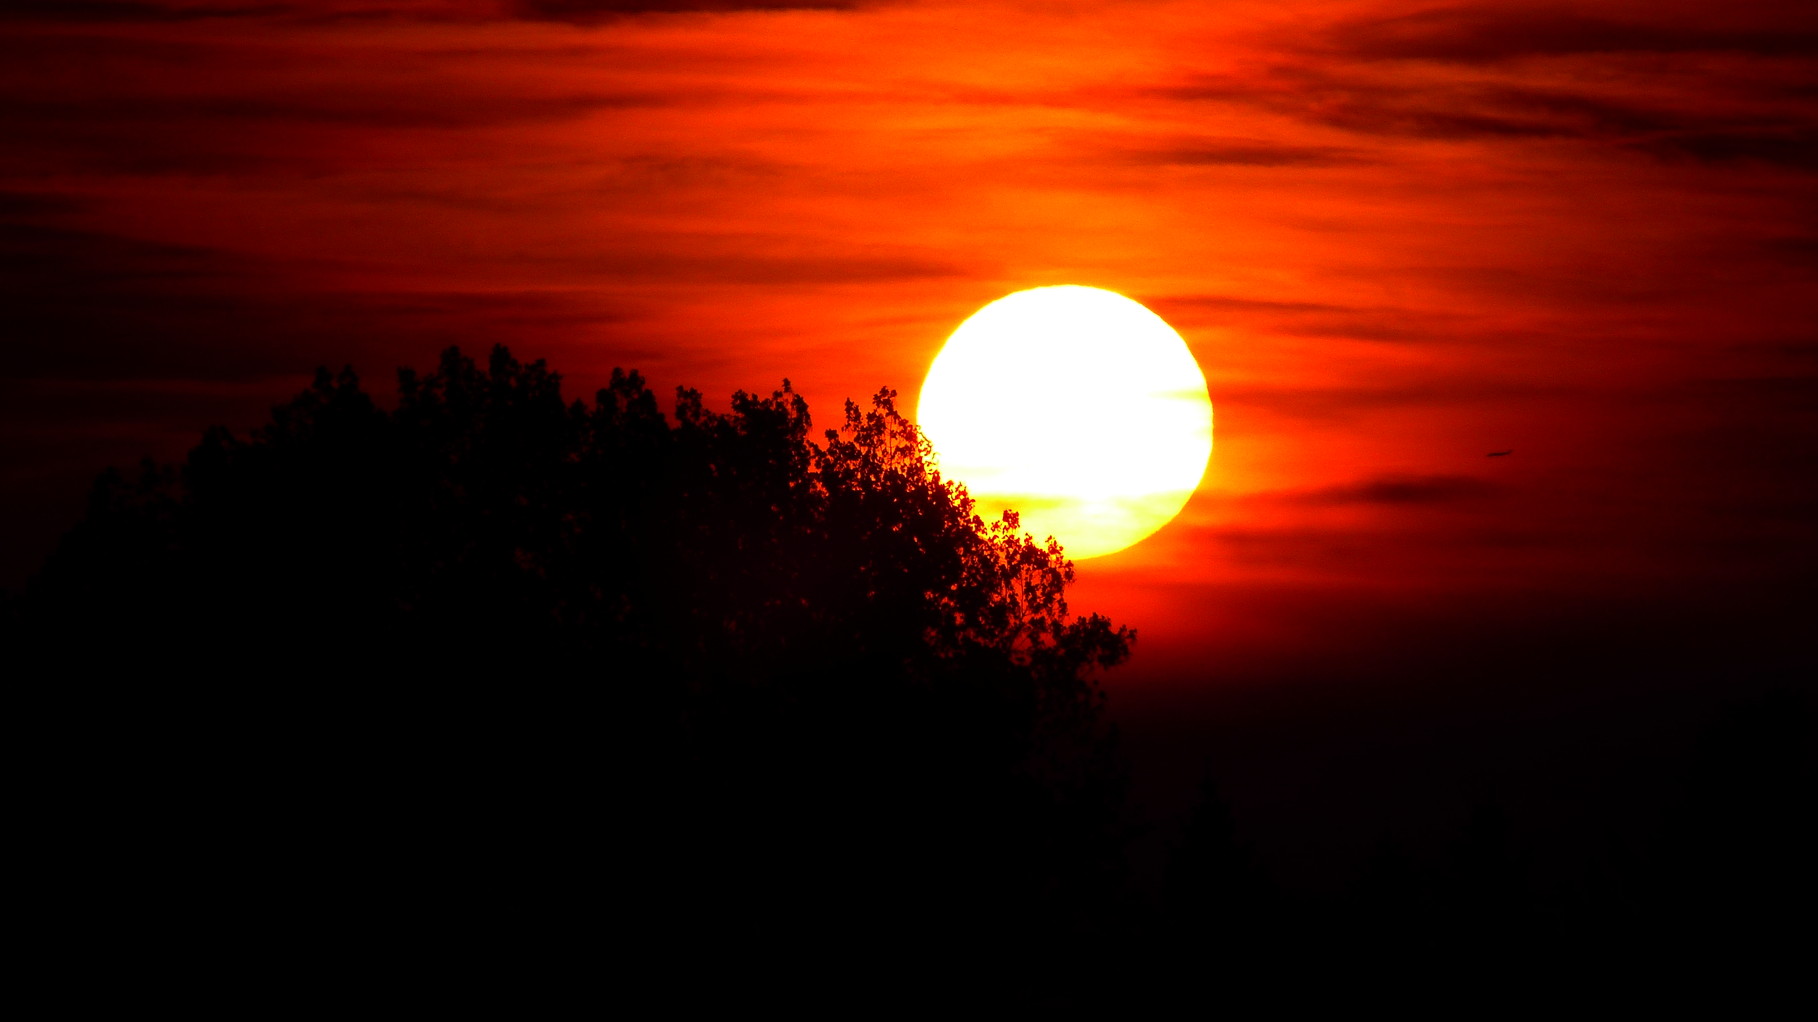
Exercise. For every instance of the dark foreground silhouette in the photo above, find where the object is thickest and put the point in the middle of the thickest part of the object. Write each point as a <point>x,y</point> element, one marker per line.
<point>494,692</point>
<point>497,676</point>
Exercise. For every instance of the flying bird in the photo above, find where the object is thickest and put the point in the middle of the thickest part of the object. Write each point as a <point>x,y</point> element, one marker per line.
<point>1500,454</point>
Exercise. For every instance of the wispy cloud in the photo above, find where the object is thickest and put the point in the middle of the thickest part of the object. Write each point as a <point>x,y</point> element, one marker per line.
<point>1394,490</point>
<point>1480,33</point>
<point>596,10</point>
<point>129,11</point>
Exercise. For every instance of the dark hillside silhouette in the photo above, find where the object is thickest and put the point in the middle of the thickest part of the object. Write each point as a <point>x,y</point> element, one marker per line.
<point>494,662</point>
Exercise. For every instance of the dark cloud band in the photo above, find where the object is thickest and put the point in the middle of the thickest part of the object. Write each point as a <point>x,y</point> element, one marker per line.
<point>597,10</point>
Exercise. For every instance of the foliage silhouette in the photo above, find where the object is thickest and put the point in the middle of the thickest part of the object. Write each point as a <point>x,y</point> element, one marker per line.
<point>493,676</point>
<point>747,689</point>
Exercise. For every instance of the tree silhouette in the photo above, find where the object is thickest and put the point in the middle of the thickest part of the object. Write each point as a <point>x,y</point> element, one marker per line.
<point>492,659</point>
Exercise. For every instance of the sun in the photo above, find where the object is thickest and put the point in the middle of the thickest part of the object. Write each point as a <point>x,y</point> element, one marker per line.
<point>1075,406</point>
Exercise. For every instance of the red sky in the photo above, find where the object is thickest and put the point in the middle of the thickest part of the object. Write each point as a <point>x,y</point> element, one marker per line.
<point>1397,236</point>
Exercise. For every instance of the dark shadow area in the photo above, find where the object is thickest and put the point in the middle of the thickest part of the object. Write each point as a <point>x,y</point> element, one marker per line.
<point>1355,851</point>
<point>496,681</point>
<point>497,693</point>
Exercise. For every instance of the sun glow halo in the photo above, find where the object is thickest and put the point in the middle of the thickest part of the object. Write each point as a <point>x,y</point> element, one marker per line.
<point>1077,407</point>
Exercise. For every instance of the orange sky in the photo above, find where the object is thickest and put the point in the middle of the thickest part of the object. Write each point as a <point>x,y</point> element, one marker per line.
<point>1396,235</point>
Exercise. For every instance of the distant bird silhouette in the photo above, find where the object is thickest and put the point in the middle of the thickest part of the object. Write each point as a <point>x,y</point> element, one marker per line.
<point>1499,454</point>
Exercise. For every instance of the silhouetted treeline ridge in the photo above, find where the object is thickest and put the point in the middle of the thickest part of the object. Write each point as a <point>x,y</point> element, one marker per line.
<point>497,659</point>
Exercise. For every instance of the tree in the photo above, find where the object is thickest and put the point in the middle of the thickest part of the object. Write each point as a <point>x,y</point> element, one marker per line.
<point>713,670</point>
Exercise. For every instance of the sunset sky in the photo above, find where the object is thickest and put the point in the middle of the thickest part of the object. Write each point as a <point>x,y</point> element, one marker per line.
<point>1397,236</point>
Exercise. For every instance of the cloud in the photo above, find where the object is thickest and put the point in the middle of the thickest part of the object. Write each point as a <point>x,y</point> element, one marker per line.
<point>1319,319</point>
<point>317,12</point>
<point>1432,109</point>
<point>1478,34</point>
<point>132,10</point>
<point>1237,153</point>
<point>1794,146</point>
<point>1339,404</point>
<point>1795,249</point>
<point>573,11</point>
<point>585,11</point>
<point>93,305</point>
<point>1224,302</point>
<point>731,259</point>
<point>383,109</point>
<point>146,106</point>
<point>1395,490</point>
<point>31,205</point>
<point>1761,430</point>
<point>1667,125</point>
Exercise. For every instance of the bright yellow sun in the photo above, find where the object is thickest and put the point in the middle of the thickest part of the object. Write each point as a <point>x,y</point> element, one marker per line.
<point>1075,406</point>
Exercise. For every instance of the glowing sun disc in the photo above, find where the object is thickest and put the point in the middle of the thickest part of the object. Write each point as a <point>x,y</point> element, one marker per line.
<point>1075,406</point>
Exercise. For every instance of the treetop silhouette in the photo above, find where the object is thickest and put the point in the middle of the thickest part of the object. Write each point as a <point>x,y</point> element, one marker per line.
<point>484,497</point>
<point>772,676</point>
